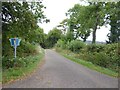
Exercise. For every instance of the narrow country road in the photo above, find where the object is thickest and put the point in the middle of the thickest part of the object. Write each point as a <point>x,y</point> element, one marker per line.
<point>59,72</point>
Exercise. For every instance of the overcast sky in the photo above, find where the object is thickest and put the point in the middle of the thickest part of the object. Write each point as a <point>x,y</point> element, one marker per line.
<point>55,11</point>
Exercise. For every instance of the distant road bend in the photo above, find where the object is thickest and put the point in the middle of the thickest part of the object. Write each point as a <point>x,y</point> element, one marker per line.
<point>59,72</point>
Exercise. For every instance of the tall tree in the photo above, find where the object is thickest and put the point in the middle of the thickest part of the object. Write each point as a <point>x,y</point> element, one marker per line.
<point>114,18</point>
<point>63,26</point>
<point>67,33</point>
<point>19,19</point>
<point>97,17</point>
<point>76,16</point>
<point>85,19</point>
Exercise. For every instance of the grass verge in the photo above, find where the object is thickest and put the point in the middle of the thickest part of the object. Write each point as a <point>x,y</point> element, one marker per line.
<point>90,65</point>
<point>12,74</point>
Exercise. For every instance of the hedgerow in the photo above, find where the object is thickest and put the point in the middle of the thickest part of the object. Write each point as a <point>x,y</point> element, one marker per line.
<point>104,55</point>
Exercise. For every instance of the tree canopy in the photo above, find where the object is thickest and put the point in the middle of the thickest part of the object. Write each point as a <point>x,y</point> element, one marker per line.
<point>82,20</point>
<point>114,19</point>
<point>52,37</point>
<point>19,19</point>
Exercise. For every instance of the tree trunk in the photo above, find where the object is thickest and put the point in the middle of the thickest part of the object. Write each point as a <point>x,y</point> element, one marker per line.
<point>84,40</point>
<point>94,35</point>
<point>94,30</point>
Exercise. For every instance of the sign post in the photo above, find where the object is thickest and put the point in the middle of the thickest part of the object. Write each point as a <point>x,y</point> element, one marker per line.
<point>15,47</point>
<point>15,42</point>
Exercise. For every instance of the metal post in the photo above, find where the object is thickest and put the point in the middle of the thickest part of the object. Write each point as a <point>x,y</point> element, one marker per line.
<point>15,51</point>
<point>15,47</point>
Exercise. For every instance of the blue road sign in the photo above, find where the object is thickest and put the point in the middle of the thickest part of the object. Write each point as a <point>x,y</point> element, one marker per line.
<point>15,41</point>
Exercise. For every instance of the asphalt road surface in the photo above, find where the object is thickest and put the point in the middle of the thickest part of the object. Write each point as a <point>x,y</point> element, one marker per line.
<point>59,72</point>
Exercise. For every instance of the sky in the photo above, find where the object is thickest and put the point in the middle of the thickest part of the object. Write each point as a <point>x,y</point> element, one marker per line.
<point>55,11</point>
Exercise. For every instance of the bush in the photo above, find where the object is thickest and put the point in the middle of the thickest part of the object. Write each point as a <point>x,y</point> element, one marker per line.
<point>101,59</point>
<point>75,45</point>
<point>24,50</point>
<point>7,63</point>
<point>111,49</point>
<point>19,61</point>
<point>60,43</point>
<point>95,47</point>
<point>102,55</point>
<point>99,54</point>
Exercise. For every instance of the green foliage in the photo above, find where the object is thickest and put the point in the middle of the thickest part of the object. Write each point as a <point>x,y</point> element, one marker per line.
<point>100,59</point>
<point>60,43</point>
<point>75,45</point>
<point>88,64</point>
<point>25,50</point>
<point>102,55</point>
<point>81,19</point>
<point>19,20</point>
<point>114,12</point>
<point>22,67</point>
<point>95,47</point>
<point>106,56</point>
<point>38,36</point>
<point>78,17</point>
<point>69,35</point>
<point>52,38</point>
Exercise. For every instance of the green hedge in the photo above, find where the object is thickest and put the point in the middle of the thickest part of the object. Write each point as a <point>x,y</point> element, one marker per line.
<point>75,45</point>
<point>60,43</point>
<point>95,47</point>
<point>104,55</point>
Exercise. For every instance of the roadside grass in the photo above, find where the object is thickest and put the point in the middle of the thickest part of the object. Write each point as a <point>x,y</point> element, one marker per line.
<point>17,73</point>
<point>89,64</point>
